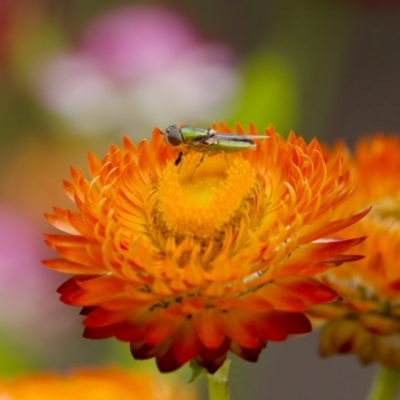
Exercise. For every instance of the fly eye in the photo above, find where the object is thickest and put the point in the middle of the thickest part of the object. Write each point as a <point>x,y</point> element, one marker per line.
<point>173,136</point>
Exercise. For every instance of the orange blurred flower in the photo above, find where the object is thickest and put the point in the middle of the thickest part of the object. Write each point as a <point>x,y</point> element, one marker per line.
<point>367,322</point>
<point>189,265</point>
<point>102,384</point>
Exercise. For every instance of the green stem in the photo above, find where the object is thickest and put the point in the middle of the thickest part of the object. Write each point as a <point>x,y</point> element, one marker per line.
<point>386,384</point>
<point>218,384</point>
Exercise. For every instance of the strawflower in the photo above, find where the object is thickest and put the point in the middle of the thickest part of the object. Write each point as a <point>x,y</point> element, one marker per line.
<point>367,321</point>
<point>190,261</point>
<point>100,384</point>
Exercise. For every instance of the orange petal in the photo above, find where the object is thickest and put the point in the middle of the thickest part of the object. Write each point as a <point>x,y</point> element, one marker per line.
<point>69,267</point>
<point>276,325</point>
<point>210,328</point>
<point>296,293</point>
<point>240,326</point>
<point>159,327</point>
<point>185,343</point>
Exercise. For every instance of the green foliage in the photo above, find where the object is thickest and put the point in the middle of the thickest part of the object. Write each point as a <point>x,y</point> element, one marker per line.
<point>197,370</point>
<point>269,93</point>
<point>14,360</point>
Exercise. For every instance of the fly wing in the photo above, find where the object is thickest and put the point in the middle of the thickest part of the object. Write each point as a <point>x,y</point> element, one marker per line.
<point>229,145</point>
<point>236,136</point>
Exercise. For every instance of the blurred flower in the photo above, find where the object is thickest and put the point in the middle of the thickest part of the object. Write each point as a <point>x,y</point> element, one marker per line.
<point>135,67</point>
<point>102,384</point>
<point>367,321</point>
<point>26,289</point>
<point>191,261</point>
<point>20,254</point>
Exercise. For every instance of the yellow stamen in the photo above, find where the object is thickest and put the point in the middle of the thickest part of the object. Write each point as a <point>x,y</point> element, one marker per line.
<point>387,212</point>
<point>199,201</point>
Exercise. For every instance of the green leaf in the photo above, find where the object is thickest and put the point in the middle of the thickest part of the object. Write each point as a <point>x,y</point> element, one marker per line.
<point>269,94</point>
<point>197,370</point>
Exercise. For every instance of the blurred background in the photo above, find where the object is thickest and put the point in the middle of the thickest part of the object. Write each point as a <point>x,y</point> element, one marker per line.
<point>75,75</point>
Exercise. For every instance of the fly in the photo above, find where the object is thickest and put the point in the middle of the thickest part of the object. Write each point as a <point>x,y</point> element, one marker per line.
<point>207,141</point>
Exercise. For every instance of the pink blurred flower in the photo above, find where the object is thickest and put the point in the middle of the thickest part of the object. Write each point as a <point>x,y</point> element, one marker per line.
<point>28,314</point>
<point>137,67</point>
<point>136,41</point>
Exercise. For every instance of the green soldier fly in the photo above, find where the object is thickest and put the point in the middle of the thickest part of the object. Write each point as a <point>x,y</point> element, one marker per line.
<point>207,141</point>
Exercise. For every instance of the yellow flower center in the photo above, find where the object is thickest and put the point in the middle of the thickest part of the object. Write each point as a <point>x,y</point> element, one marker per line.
<point>387,212</point>
<point>200,197</point>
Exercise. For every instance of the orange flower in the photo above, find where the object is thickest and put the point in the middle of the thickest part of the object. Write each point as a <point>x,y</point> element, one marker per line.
<point>104,384</point>
<point>367,322</point>
<point>191,261</point>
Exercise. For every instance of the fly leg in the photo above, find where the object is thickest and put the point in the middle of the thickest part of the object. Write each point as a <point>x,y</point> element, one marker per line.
<point>179,158</point>
<point>198,165</point>
<point>178,161</point>
<point>226,160</point>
